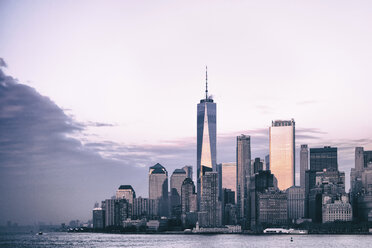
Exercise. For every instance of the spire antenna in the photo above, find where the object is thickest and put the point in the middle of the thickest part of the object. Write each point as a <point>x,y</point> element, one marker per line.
<point>206,83</point>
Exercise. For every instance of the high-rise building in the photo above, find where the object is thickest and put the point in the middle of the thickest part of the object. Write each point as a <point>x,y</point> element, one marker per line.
<point>229,176</point>
<point>267,162</point>
<point>259,183</point>
<point>361,185</point>
<point>206,138</point>
<point>158,188</point>
<point>296,202</point>
<point>210,200</point>
<point>188,196</point>
<point>282,152</point>
<point>177,178</point>
<point>188,169</point>
<point>272,207</point>
<point>144,208</point>
<point>116,211</point>
<point>98,218</point>
<point>304,164</point>
<point>126,192</point>
<point>243,173</point>
<point>257,165</point>
<point>323,158</point>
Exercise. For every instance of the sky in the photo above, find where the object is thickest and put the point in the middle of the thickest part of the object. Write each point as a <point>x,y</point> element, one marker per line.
<point>92,93</point>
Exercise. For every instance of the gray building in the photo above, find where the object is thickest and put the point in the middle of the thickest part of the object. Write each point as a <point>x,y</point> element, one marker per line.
<point>272,208</point>
<point>361,185</point>
<point>296,203</point>
<point>188,196</point>
<point>158,188</point>
<point>206,138</point>
<point>126,192</point>
<point>336,210</point>
<point>98,218</point>
<point>210,201</point>
<point>304,164</point>
<point>188,169</point>
<point>243,173</point>
<point>116,211</point>
<point>267,162</point>
<point>176,180</point>
<point>144,208</point>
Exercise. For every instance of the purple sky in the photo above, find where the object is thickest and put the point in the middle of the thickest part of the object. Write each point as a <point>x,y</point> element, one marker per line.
<point>108,88</point>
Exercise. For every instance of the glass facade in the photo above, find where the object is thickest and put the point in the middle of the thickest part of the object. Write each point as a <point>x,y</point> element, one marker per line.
<point>282,152</point>
<point>229,176</point>
<point>323,158</point>
<point>206,139</point>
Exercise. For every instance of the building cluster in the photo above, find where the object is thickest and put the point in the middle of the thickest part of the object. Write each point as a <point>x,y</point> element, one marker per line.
<point>250,194</point>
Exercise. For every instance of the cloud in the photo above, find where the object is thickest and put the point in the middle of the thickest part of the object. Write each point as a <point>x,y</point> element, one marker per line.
<point>308,102</point>
<point>46,173</point>
<point>2,63</point>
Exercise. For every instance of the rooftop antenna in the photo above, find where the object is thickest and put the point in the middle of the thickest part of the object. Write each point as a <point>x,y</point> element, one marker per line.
<point>206,83</point>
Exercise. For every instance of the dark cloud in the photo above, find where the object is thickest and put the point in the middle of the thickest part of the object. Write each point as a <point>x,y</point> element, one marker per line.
<point>46,173</point>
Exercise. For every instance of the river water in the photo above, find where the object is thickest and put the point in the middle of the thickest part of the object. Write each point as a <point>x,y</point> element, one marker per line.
<point>184,241</point>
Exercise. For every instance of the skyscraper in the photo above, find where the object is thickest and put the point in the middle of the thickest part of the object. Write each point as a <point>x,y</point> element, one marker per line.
<point>188,169</point>
<point>158,188</point>
<point>229,176</point>
<point>243,173</point>
<point>206,137</point>
<point>177,178</point>
<point>188,196</point>
<point>126,192</point>
<point>282,152</point>
<point>323,158</point>
<point>304,164</point>
<point>210,202</point>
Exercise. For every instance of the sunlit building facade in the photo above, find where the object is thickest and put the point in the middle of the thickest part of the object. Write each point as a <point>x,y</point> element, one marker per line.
<point>282,152</point>
<point>229,176</point>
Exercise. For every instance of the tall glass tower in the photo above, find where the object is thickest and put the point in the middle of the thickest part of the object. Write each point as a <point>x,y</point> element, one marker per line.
<point>282,152</point>
<point>206,138</point>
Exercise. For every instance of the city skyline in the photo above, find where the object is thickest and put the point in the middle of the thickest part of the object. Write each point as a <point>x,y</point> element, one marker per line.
<point>75,127</point>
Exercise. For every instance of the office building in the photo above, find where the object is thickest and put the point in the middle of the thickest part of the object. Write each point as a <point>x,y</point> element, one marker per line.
<point>304,164</point>
<point>188,196</point>
<point>210,202</point>
<point>296,203</point>
<point>158,188</point>
<point>206,138</point>
<point>98,218</point>
<point>243,173</point>
<point>126,192</point>
<point>116,211</point>
<point>229,176</point>
<point>188,170</point>
<point>177,178</point>
<point>257,165</point>
<point>282,152</point>
<point>144,208</point>
<point>272,207</point>
<point>267,162</point>
<point>323,158</point>
<point>336,210</point>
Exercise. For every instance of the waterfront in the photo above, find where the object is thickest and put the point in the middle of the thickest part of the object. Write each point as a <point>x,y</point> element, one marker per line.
<point>59,239</point>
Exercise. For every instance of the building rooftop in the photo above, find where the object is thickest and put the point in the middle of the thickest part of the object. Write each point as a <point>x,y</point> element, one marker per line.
<point>126,187</point>
<point>179,171</point>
